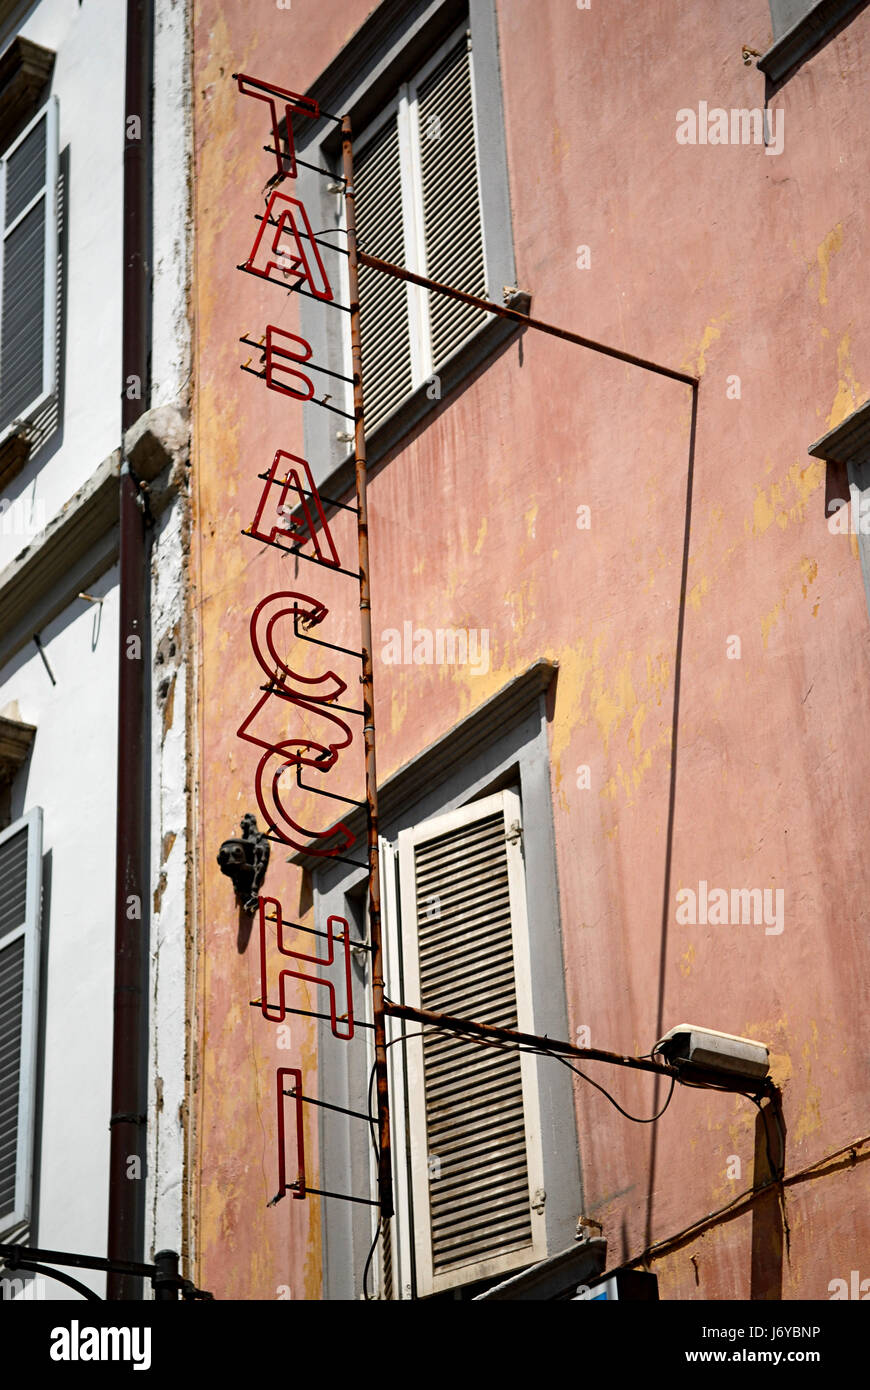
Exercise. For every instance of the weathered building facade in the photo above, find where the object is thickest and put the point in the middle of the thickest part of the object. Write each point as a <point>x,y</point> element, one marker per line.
<point>71,426</point>
<point>621,635</point>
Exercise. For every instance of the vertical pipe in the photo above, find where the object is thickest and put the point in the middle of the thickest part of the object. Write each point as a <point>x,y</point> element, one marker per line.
<point>385,1174</point>
<point>127,1156</point>
<point>165,1279</point>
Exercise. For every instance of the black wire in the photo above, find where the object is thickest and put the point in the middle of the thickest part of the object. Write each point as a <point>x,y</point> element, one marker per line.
<point>372,1131</point>
<point>368,1263</point>
<point>403,1037</point>
<point>634,1118</point>
<point>507,1046</point>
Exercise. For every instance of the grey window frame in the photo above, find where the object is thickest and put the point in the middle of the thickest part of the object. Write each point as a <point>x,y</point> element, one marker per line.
<point>48,111</point>
<point>796,39</point>
<point>390,48</point>
<point>848,445</point>
<point>502,744</point>
<point>30,929</point>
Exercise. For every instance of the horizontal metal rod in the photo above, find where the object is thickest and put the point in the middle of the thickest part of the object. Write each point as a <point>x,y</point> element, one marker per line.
<point>312,931</point>
<point>325,1105</point>
<point>11,1253</point>
<point>504,312</point>
<point>305,400</point>
<point>282,482</point>
<point>348,651</point>
<point>271,688</point>
<point>304,365</point>
<point>333,796</point>
<point>296,289</point>
<point>318,168</point>
<point>312,560</point>
<point>342,1196</point>
<point>310,1013</point>
<point>318,236</point>
<point>542,1043</point>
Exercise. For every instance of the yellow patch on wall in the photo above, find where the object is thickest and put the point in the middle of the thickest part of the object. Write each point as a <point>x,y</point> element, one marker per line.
<point>697,359</point>
<point>697,592</point>
<point>849,391</point>
<point>829,247</point>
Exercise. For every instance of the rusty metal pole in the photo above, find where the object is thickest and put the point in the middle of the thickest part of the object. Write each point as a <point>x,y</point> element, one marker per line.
<point>502,311</point>
<point>385,1173</point>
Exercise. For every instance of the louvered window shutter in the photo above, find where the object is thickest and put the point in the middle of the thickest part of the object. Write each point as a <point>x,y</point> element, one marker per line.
<point>384,319</point>
<point>475,1144</point>
<point>417,197</point>
<point>28,207</point>
<point>20,894</point>
<point>452,226</point>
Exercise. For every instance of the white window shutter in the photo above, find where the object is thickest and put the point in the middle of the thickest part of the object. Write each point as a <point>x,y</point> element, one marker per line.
<point>20,910</point>
<point>28,288</point>
<point>476,1159</point>
<point>397,1254</point>
<point>451,214</point>
<point>384,319</point>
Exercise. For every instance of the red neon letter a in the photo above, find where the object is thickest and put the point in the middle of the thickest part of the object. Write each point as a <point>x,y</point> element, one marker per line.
<point>296,479</point>
<point>286,220</point>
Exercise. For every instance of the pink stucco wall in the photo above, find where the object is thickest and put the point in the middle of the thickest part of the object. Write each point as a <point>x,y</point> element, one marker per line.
<point>719,261</point>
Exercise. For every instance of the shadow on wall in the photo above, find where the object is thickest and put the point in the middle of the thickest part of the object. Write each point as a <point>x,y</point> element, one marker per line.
<point>769,1221</point>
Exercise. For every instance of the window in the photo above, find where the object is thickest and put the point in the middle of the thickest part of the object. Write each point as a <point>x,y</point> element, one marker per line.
<point>20,893</point>
<point>800,28</point>
<point>846,450</point>
<point>467,821</point>
<point>28,272</point>
<point>418,205</point>
<point>422,84</point>
<point>473,1124</point>
<point>784,14</point>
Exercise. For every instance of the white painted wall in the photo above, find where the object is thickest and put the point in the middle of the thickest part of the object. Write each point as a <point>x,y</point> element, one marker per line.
<point>71,775</point>
<point>170,863</point>
<point>173,145</point>
<point>170,855</point>
<point>88,81</point>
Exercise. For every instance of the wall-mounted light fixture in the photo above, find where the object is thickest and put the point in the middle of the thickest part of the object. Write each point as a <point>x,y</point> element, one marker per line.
<point>692,1049</point>
<point>245,860</point>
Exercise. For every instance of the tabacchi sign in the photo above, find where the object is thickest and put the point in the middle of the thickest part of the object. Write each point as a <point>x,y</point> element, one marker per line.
<point>290,515</point>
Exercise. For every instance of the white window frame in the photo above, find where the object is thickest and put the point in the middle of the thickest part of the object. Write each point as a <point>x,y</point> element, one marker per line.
<point>30,929</point>
<point>49,113</point>
<point>405,107</point>
<point>413,1095</point>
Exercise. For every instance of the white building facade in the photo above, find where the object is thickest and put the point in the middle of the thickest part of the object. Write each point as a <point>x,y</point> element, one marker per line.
<point>63,131</point>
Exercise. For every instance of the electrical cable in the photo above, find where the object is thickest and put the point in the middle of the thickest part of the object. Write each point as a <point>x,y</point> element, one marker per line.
<point>506,1046</point>
<point>635,1119</point>
<point>369,1261</point>
<point>402,1038</point>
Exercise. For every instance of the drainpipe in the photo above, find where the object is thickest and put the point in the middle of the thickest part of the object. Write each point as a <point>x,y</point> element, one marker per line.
<point>130,1038</point>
